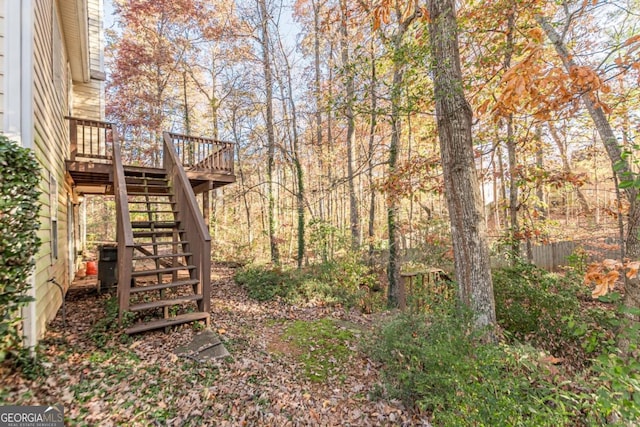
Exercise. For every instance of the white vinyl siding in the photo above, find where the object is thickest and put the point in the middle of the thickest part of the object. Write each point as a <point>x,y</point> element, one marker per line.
<point>88,101</point>
<point>2,64</point>
<point>51,149</point>
<point>96,42</point>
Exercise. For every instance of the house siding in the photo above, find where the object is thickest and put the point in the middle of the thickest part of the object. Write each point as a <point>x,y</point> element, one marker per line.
<point>2,64</point>
<point>52,91</point>
<point>88,101</point>
<point>50,106</point>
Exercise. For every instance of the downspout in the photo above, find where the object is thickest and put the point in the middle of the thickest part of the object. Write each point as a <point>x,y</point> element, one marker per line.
<point>26,14</point>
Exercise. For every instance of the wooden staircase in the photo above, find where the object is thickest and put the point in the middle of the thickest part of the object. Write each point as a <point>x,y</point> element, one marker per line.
<point>164,247</point>
<point>165,290</point>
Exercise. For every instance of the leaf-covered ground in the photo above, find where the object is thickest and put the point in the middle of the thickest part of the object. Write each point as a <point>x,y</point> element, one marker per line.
<point>275,376</point>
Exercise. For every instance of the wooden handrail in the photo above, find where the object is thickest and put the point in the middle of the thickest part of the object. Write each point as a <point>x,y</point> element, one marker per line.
<point>91,122</point>
<point>175,135</point>
<point>89,138</point>
<point>202,153</point>
<point>124,229</point>
<point>191,219</point>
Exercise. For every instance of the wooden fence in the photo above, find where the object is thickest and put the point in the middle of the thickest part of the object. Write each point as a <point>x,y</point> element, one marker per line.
<point>553,256</point>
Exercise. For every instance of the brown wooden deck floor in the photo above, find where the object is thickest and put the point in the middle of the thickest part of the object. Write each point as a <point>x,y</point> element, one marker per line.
<point>93,177</point>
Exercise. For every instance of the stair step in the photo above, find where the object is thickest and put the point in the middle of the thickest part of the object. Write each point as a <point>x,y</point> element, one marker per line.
<point>154,224</point>
<point>149,194</point>
<point>181,242</point>
<point>148,179</point>
<point>140,273</point>
<point>144,172</point>
<point>161,286</point>
<point>155,202</point>
<point>151,189</point>
<point>158,256</point>
<point>153,212</point>
<point>164,303</point>
<point>162,323</point>
<point>159,233</point>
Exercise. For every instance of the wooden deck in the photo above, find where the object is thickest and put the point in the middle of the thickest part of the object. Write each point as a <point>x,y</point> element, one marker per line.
<point>208,163</point>
<point>154,188</point>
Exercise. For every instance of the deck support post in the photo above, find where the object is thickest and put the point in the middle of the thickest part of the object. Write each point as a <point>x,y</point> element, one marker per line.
<point>206,208</point>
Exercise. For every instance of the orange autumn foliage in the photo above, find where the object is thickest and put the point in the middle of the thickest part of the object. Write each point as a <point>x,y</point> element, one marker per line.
<point>605,274</point>
<point>534,85</point>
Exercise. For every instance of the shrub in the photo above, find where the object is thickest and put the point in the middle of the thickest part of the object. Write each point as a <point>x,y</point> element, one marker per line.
<point>434,363</point>
<point>265,283</point>
<point>616,389</point>
<point>346,282</point>
<point>544,310</point>
<point>18,239</point>
<point>325,239</point>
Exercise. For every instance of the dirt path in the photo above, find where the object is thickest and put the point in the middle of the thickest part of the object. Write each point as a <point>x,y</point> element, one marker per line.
<point>102,380</point>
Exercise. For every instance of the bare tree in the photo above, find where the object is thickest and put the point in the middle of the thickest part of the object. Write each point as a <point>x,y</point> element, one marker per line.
<point>271,142</point>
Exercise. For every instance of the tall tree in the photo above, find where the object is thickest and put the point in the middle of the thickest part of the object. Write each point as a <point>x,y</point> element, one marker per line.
<point>511,141</point>
<point>454,116</point>
<point>373,95</point>
<point>354,215</point>
<point>271,140</point>
<point>396,41</point>
<point>620,163</point>
<point>289,103</point>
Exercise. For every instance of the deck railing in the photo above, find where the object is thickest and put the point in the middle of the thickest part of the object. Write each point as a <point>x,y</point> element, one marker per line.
<point>419,290</point>
<point>93,140</point>
<point>203,154</point>
<point>124,230</point>
<point>189,217</point>
<point>90,139</point>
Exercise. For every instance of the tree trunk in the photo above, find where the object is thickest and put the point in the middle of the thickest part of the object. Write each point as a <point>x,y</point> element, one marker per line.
<point>242,180</point>
<point>566,166</point>
<point>621,168</point>
<point>503,186</point>
<point>513,188</point>
<point>354,216</point>
<point>319,103</point>
<point>317,76</point>
<point>393,269</point>
<point>540,207</point>
<point>511,148</point>
<point>268,80</point>
<point>454,116</point>
<point>300,195</point>
<point>372,130</point>
<point>187,118</point>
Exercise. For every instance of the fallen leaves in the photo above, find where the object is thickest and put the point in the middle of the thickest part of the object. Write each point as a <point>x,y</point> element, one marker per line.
<point>143,382</point>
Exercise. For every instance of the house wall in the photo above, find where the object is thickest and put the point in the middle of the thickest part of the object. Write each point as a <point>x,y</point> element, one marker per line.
<point>50,106</point>
<point>2,65</point>
<point>36,93</point>
<point>88,101</point>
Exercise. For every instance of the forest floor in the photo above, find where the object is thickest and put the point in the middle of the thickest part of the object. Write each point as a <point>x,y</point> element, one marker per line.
<point>102,377</point>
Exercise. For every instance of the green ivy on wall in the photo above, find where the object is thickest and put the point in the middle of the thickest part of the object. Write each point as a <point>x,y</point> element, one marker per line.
<point>19,177</point>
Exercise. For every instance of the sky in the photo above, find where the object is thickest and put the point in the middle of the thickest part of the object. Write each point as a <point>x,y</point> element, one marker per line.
<point>288,28</point>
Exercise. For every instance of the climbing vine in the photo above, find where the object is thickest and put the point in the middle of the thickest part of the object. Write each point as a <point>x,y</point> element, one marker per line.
<point>18,239</point>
